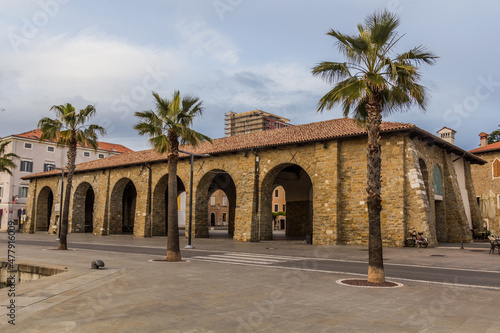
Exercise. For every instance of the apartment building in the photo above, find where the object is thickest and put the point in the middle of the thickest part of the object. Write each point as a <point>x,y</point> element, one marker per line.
<point>34,157</point>
<point>253,121</point>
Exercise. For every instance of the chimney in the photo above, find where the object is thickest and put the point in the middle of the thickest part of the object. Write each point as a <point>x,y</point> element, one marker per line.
<point>484,139</point>
<point>447,134</point>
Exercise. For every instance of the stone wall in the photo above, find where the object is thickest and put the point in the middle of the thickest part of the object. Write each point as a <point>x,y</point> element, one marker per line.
<point>484,181</point>
<point>329,200</point>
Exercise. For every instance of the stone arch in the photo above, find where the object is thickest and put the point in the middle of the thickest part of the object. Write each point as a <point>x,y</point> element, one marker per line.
<point>122,207</point>
<point>44,209</point>
<point>83,208</point>
<point>299,203</point>
<point>160,202</point>
<point>215,179</point>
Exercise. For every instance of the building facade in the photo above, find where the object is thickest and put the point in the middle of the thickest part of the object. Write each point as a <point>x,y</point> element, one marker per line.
<point>487,178</point>
<point>426,185</point>
<point>218,210</point>
<point>36,157</point>
<point>252,122</point>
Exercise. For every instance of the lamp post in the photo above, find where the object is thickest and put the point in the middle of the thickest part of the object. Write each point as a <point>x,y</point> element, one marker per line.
<point>189,246</point>
<point>62,198</point>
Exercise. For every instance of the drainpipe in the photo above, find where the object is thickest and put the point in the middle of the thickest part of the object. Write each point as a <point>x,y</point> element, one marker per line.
<point>256,195</point>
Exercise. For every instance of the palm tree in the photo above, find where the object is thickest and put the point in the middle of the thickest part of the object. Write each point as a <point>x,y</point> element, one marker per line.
<point>70,129</point>
<point>373,80</point>
<point>6,160</point>
<point>167,126</point>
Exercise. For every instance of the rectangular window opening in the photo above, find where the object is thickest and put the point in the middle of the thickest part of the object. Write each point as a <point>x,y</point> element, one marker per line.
<point>23,191</point>
<point>48,166</point>
<point>28,145</point>
<point>50,149</point>
<point>26,166</point>
<point>276,208</point>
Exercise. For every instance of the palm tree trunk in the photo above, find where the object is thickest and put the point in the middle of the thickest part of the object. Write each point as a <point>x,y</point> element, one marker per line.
<point>173,248</point>
<point>374,166</point>
<point>63,245</point>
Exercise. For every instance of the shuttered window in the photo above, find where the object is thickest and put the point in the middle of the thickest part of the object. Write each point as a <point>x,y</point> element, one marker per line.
<point>496,168</point>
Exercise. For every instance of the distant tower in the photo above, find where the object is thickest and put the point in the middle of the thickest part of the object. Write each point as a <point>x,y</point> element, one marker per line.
<point>447,134</point>
<point>484,138</point>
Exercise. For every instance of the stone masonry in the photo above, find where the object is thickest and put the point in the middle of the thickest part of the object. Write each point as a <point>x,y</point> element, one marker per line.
<point>325,182</point>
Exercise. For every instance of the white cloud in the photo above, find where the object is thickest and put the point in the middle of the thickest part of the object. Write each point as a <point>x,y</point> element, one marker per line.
<point>199,40</point>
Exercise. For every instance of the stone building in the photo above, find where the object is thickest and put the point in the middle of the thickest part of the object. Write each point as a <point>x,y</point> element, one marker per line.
<point>487,177</point>
<point>218,210</point>
<point>36,156</point>
<point>426,185</point>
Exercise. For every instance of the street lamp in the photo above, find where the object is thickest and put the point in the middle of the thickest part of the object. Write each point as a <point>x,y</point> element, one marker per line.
<point>62,197</point>
<point>189,246</point>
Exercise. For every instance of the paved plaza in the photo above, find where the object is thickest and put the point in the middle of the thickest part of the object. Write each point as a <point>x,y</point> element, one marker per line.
<point>134,294</point>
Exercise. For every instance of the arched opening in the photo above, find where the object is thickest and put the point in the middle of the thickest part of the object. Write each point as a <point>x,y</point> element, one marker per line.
<point>122,207</point>
<point>278,207</point>
<point>89,211</point>
<point>218,208</point>
<point>208,188</point>
<point>44,207</point>
<point>298,205</point>
<point>425,176</point>
<point>83,208</point>
<point>128,204</point>
<point>160,206</point>
<point>439,207</point>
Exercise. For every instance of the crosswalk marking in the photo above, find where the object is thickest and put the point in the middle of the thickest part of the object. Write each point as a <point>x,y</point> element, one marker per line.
<point>245,258</point>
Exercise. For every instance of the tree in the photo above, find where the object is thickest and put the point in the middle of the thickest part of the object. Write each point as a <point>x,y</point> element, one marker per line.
<point>6,160</point>
<point>70,129</point>
<point>373,80</point>
<point>494,136</point>
<point>167,126</point>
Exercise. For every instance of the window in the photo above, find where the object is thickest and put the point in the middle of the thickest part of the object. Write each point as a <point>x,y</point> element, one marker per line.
<point>86,154</point>
<point>275,125</point>
<point>28,145</point>
<point>1,192</point>
<point>47,166</point>
<point>101,155</point>
<point>224,201</point>
<point>276,193</point>
<point>496,168</point>
<point>438,181</point>
<point>23,191</point>
<point>26,166</point>
<point>276,208</point>
<point>212,201</point>
<point>50,149</point>
<point>284,207</point>
<point>224,217</point>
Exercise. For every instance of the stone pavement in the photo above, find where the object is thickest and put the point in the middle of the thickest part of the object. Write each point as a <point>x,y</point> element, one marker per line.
<point>134,294</point>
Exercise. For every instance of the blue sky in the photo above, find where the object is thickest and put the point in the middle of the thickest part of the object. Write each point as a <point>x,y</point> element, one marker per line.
<point>235,55</point>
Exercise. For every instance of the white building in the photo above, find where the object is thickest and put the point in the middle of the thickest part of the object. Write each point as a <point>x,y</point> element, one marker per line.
<point>34,157</point>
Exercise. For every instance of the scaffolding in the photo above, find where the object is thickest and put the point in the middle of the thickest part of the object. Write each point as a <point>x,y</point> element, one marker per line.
<point>250,122</point>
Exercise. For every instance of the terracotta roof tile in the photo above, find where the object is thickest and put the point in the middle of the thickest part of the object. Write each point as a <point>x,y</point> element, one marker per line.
<point>113,147</point>
<point>325,130</point>
<point>490,147</point>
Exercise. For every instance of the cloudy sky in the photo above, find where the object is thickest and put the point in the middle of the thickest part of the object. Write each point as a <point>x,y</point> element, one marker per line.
<point>235,55</point>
